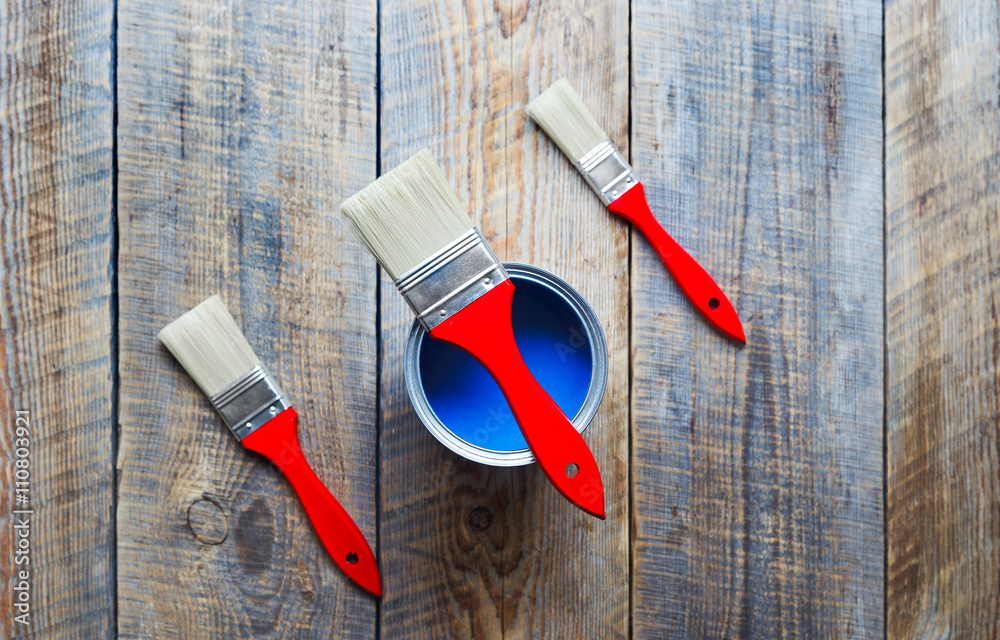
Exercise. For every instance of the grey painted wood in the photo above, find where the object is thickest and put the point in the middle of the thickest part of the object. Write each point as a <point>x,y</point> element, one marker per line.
<point>754,475</point>
<point>943,296</point>
<point>56,112</point>
<point>470,551</point>
<point>573,580</point>
<point>757,471</point>
<point>241,127</point>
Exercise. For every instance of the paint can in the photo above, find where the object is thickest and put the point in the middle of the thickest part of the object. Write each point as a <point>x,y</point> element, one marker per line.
<point>561,341</point>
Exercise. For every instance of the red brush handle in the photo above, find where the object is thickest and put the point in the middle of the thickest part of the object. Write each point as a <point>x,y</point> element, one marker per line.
<point>694,281</point>
<point>483,330</point>
<point>278,441</point>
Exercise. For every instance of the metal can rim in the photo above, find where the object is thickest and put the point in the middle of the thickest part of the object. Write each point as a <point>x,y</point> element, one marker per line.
<point>582,419</point>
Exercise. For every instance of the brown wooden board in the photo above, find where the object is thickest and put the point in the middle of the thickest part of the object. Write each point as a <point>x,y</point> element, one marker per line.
<point>757,471</point>
<point>471,551</point>
<point>943,295</point>
<point>56,346</point>
<point>744,485</point>
<point>241,128</point>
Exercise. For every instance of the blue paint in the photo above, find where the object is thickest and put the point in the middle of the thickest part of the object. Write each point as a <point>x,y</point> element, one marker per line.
<point>552,340</point>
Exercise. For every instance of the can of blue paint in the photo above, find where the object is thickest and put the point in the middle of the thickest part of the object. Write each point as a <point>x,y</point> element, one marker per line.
<point>561,341</point>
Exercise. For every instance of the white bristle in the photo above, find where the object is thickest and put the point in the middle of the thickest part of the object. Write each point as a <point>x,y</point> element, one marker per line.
<point>209,345</point>
<point>563,116</point>
<point>407,215</point>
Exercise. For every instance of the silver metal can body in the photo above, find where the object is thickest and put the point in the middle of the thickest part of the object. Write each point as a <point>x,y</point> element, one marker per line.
<point>585,332</point>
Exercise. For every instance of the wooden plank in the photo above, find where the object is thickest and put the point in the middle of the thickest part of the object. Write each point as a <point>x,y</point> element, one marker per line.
<point>943,296</point>
<point>571,577</point>
<point>56,361</point>
<point>757,471</point>
<point>241,127</point>
<point>471,551</point>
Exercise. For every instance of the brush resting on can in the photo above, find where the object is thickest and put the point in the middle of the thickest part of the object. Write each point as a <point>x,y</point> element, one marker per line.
<point>413,223</point>
<point>210,346</point>
<point>564,457</point>
<point>563,116</point>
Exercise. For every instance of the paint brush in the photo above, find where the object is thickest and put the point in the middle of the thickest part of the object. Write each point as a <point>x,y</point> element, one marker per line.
<point>563,116</point>
<point>210,346</point>
<point>413,223</point>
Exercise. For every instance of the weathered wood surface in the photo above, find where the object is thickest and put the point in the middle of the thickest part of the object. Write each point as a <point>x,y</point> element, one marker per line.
<point>744,486</point>
<point>56,253</point>
<point>943,318</point>
<point>757,471</point>
<point>470,551</point>
<point>241,128</point>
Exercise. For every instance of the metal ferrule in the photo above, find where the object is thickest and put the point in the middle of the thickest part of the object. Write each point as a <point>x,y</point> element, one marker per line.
<point>451,279</point>
<point>250,401</point>
<point>607,172</point>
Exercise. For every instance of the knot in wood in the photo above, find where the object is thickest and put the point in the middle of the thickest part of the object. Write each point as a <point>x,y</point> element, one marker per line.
<point>207,521</point>
<point>480,519</point>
